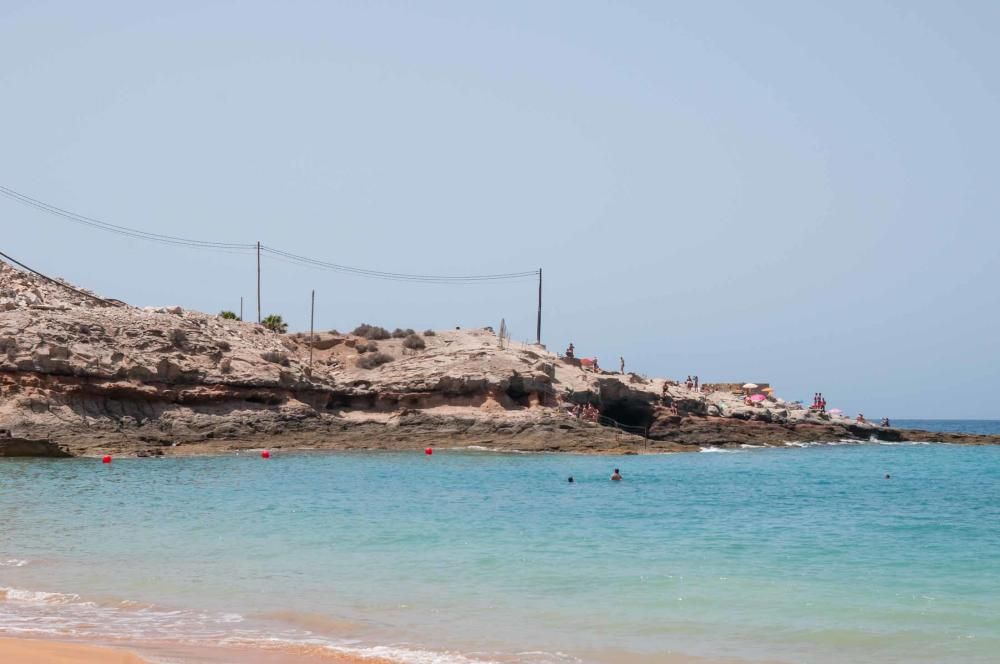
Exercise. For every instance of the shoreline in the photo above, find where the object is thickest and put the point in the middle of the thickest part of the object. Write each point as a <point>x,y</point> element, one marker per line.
<point>690,435</point>
<point>19,650</point>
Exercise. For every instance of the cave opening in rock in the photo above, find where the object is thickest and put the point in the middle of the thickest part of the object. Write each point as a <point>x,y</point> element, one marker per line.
<point>630,412</point>
<point>517,393</point>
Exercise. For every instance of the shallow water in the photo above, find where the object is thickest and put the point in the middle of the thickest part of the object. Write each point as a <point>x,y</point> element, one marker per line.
<point>807,555</point>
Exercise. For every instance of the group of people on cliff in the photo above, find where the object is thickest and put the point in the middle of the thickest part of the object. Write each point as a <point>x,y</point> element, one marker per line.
<point>586,412</point>
<point>590,363</point>
<point>819,402</point>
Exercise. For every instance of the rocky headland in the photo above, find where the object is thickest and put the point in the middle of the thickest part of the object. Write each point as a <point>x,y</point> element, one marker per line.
<point>80,375</point>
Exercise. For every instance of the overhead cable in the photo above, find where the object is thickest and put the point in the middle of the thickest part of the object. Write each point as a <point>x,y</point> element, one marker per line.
<point>243,248</point>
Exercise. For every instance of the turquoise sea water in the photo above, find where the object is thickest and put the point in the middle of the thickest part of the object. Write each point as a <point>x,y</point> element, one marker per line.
<point>952,426</point>
<point>803,554</point>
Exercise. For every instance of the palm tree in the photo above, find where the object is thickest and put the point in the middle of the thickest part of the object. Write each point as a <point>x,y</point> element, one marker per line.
<point>228,315</point>
<point>275,323</point>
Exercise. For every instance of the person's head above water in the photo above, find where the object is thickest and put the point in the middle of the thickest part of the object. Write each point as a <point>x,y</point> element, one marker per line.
<point>616,475</point>
<point>570,479</point>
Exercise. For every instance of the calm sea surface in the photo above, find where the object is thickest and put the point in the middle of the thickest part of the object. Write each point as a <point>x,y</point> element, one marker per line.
<point>803,554</point>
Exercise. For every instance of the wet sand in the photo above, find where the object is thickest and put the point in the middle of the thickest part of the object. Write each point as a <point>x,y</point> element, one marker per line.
<point>37,651</point>
<point>33,651</point>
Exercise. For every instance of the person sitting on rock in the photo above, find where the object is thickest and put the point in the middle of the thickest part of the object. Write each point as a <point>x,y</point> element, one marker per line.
<point>885,422</point>
<point>569,351</point>
<point>861,417</point>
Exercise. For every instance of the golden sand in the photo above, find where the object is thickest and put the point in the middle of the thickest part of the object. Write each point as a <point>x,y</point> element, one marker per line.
<point>28,651</point>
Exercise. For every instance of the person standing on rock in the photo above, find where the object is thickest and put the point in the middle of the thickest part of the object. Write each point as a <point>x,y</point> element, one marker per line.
<point>621,363</point>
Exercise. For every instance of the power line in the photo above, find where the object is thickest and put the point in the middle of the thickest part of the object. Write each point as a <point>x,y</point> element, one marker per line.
<point>61,284</point>
<point>531,277</point>
<point>396,276</point>
<point>114,228</point>
<point>240,248</point>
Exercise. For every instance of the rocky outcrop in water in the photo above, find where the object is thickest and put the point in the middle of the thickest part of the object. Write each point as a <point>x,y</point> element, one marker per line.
<point>96,376</point>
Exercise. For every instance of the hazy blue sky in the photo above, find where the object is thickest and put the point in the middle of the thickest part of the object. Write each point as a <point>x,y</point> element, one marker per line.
<point>795,192</point>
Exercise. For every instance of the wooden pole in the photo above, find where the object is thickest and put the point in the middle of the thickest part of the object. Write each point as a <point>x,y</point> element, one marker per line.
<point>258,283</point>
<point>538,328</point>
<point>312,318</point>
<point>241,307</point>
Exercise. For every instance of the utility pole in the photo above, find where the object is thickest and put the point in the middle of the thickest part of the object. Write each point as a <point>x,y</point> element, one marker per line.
<point>258,282</point>
<point>241,307</point>
<point>538,329</point>
<point>312,318</point>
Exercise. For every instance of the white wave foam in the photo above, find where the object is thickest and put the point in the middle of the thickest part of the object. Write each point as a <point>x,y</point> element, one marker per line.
<point>36,596</point>
<point>483,448</point>
<point>718,450</point>
<point>41,613</point>
<point>13,562</point>
<point>410,655</point>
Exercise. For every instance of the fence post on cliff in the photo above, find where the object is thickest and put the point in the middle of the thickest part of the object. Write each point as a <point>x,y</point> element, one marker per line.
<point>312,318</point>
<point>538,328</point>
<point>258,282</point>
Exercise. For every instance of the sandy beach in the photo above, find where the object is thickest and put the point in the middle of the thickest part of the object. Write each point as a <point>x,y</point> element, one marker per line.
<point>28,651</point>
<point>33,651</point>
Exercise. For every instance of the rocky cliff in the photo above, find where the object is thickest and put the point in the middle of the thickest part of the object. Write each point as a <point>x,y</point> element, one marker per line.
<point>97,376</point>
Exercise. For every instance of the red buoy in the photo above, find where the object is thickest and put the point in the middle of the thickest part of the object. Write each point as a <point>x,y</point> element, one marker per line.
<point>428,451</point>
<point>265,455</point>
<point>106,458</point>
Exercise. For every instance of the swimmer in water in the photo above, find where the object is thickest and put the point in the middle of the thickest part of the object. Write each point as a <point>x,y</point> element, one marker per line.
<point>570,480</point>
<point>616,476</point>
<point>887,476</point>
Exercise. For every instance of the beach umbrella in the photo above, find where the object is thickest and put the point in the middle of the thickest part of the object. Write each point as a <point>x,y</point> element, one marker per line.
<point>750,386</point>
<point>835,411</point>
<point>757,397</point>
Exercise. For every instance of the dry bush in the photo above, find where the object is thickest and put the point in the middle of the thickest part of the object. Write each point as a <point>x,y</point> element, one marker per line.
<point>430,333</point>
<point>374,360</point>
<point>413,342</point>
<point>402,334</point>
<point>371,331</point>
<point>369,347</point>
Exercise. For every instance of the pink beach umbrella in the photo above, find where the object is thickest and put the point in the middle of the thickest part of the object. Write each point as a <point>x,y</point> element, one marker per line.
<point>757,397</point>
<point>836,411</point>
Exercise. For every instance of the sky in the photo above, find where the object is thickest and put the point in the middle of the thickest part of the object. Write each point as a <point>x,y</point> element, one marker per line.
<point>800,193</point>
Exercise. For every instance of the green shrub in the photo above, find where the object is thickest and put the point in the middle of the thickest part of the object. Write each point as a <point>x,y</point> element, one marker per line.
<point>228,315</point>
<point>275,323</point>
